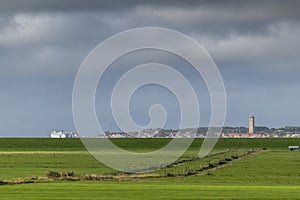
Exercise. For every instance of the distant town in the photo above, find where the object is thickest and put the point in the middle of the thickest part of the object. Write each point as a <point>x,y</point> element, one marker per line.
<point>251,131</point>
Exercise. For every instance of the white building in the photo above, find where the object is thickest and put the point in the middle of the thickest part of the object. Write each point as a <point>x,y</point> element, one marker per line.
<point>56,134</point>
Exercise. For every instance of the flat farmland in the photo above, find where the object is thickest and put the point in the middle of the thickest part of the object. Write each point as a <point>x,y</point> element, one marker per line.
<point>235,169</point>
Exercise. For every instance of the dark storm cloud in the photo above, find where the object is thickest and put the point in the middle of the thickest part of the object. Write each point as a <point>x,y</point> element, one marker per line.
<point>42,44</point>
<point>272,8</point>
<point>217,19</point>
<point>212,16</point>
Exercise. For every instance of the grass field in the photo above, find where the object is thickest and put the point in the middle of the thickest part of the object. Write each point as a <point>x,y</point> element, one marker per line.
<point>146,190</point>
<point>270,173</point>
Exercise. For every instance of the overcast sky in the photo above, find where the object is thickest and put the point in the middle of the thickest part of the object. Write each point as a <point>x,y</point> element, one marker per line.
<point>255,45</point>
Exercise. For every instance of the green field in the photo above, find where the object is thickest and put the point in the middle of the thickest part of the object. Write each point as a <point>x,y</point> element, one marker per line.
<point>236,174</point>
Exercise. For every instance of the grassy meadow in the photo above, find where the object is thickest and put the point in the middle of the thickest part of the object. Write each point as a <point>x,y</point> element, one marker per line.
<point>235,169</point>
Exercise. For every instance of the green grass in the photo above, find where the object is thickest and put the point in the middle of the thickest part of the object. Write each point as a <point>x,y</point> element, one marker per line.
<point>145,190</point>
<point>46,144</point>
<point>40,144</point>
<point>36,163</point>
<point>268,167</point>
<point>272,173</point>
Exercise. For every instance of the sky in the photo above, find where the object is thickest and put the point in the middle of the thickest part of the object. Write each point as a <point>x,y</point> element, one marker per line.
<point>255,45</point>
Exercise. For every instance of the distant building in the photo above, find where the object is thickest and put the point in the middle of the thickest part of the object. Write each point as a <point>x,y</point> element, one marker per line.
<point>58,134</point>
<point>251,125</point>
<point>63,134</point>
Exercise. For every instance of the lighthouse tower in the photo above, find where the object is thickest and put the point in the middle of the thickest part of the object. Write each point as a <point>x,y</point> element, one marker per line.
<point>251,124</point>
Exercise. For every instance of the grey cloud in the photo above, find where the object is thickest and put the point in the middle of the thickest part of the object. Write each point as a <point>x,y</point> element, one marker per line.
<point>217,16</point>
<point>224,18</point>
<point>56,30</point>
<point>278,48</point>
<point>42,43</point>
<point>277,7</point>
